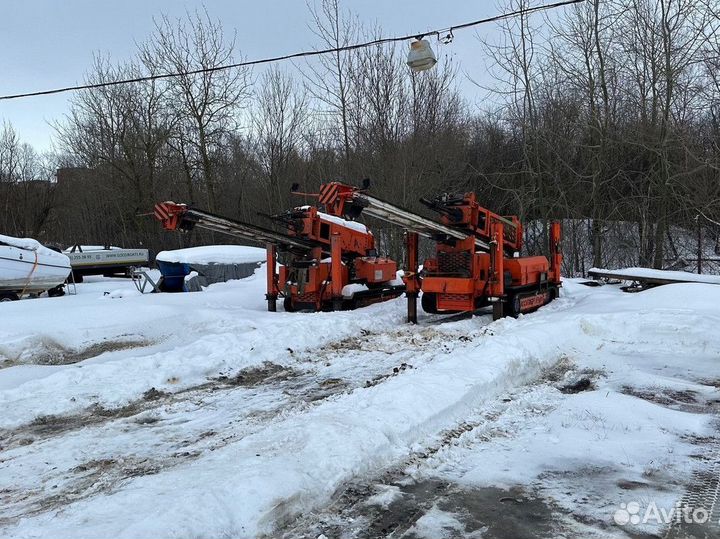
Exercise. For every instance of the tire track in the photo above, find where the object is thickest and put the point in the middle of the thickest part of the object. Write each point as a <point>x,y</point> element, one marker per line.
<point>355,513</point>
<point>194,421</point>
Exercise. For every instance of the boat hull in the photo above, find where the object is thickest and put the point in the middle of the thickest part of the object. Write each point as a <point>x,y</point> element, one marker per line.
<point>30,272</point>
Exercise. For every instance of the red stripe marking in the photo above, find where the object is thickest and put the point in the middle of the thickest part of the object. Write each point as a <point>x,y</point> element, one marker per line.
<point>161,212</point>
<point>329,193</point>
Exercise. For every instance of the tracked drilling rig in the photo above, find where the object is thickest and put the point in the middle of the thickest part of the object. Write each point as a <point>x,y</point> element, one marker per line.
<point>328,263</point>
<point>476,260</point>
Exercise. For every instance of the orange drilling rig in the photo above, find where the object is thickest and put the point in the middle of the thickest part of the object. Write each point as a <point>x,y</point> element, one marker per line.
<point>329,263</point>
<point>476,262</point>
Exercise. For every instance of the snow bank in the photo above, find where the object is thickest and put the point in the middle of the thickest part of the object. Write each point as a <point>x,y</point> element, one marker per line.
<point>197,335</point>
<point>295,465</point>
<point>29,244</point>
<point>652,358</point>
<point>214,254</point>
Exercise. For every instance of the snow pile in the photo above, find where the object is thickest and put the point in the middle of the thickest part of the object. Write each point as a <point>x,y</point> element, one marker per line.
<point>226,328</point>
<point>629,434</point>
<point>29,244</point>
<point>214,254</point>
<point>296,463</point>
<point>349,290</point>
<point>385,495</point>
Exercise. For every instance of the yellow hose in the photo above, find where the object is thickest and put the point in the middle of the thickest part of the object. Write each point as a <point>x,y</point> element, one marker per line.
<point>35,265</point>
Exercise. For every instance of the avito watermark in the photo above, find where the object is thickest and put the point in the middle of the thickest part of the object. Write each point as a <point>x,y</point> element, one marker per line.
<point>632,513</point>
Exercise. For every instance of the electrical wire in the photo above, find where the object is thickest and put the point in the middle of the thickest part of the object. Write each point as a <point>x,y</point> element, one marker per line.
<point>445,34</point>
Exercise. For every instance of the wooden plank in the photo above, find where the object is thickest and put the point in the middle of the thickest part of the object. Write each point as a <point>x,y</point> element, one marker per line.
<point>629,276</point>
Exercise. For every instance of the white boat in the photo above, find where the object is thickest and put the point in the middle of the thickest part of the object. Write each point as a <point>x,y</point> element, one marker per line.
<point>28,267</point>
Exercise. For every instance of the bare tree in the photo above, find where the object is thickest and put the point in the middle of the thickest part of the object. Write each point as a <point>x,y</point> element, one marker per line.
<point>514,67</point>
<point>122,127</point>
<point>328,80</point>
<point>665,38</point>
<point>279,120</point>
<point>582,50</point>
<point>607,117</point>
<point>206,104</point>
<point>25,186</point>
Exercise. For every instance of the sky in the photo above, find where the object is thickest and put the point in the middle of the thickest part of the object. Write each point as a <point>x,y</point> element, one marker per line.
<point>51,43</point>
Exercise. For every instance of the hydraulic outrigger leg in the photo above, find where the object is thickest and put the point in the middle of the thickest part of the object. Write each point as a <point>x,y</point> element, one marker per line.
<point>412,286</point>
<point>272,278</point>
<point>497,271</point>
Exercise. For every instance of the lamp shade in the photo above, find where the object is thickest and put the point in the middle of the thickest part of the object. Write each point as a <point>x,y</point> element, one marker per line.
<point>421,56</point>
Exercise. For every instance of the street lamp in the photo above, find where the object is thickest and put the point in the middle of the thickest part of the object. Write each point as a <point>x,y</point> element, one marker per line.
<point>421,56</point>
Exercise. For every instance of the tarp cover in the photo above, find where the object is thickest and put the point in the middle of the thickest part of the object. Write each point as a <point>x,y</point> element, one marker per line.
<point>208,274</point>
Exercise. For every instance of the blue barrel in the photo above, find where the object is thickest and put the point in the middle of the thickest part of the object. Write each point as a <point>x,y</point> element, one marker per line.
<point>173,275</point>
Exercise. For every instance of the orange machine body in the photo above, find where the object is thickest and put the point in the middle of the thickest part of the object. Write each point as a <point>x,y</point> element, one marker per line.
<point>476,258</point>
<point>373,270</point>
<point>312,262</point>
<point>318,282</point>
<point>461,277</point>
<point>307,222</point>
<point>311,289</point>
<point>465,212</point>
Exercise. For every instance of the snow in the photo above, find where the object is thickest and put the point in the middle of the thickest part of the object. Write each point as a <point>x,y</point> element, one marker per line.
<point>579,449</point>
<point>437,524</point>
<point>353,225</point>
<point>214,254</point>
<point>86,248</point>
<point>385,495</point>
<point>349,290</point>
<point>120,293</point>
<point>350,395</point>
<point>30,244</point>
<point>681,276</point>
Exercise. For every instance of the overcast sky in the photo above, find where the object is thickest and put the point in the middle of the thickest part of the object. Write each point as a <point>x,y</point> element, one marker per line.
<point>50,43</point>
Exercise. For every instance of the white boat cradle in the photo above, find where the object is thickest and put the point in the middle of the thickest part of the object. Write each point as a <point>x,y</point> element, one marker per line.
<point>28,267</point>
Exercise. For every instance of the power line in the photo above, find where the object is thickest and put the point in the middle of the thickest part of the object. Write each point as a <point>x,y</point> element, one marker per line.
<point>448,33</point>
